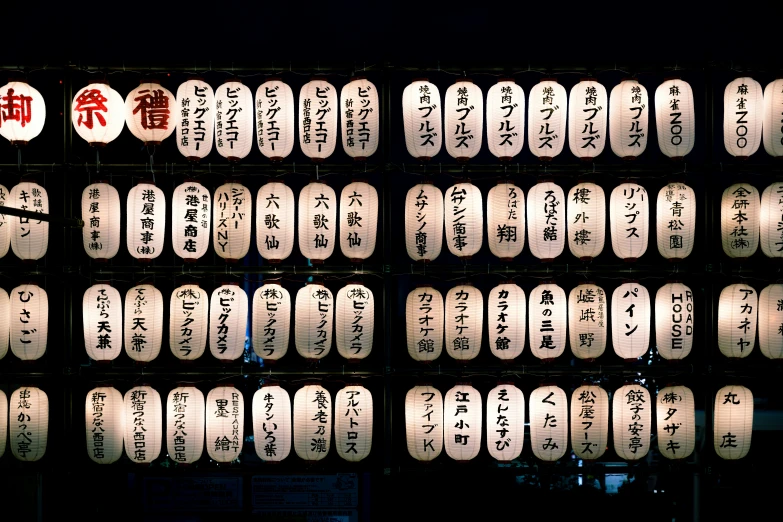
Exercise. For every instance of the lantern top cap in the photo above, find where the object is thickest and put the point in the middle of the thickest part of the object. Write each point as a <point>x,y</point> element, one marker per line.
<point>630,79</point>
<point>196,77</point>
<point>232,79</point>
<point>548,80</point>
<point>506,79</point>
<point>149,80</point>
<point>358,77</point>
<point>669,78</point>
<point>103,81</point>
<point>318,78</point>
<point>420,80</point>
<point>461,80</point>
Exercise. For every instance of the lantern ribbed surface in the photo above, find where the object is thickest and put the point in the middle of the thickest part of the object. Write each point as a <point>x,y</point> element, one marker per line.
<point>589,421</point>
<point>732,422</point>
<point>29,321</point>
<point>740,220</point>
<point>185,416</point>
<point>318,114</point>
<point>586,220</point>
<point>28,423</point>
<point>354,321</point>
<point>102,320</point>
<point>358,220</point>
<point>771,221</point>
<point>24,112</point>
<point>275,119</point>
<point>353,429</point>
<point>5,222</point>
<point>143,424</point>
<point>507,320</point>
<point>631,421</point>
<point>275,214</point>
<point>234,118</point>
<point>505,119</point>
<point>547,119</point>
<point>312,422</point>
<point>743,118</point>
<point>149,112</point>
<point>628,119</point>
<point>464,312</point>
<point>588,107</point>
<point>588,320</point>
<point>631,314</point>
<point>675,118</point>
<point>506,220</point>
<point>98,113</point>
<point>771,120</point>
<point>676,217</point>
<point>463,116</point>
<point>188,321</point>
<point>676,420</point>
<point>143,327</point>
<point>549,423</point>
<point>195,119</point>
<point>228,322</point>
<point>5,322</point>
<point>424,323</point>
<point>548,321</point>
<point>629,220</point>
<point>462,430</point>
<point>674,321</point>
<point>272,425</point>
<point>737,320</point>
<point>104,419</point>
<point>233,216</point>
<point>314,321</point>
<point>424,422</point>
<point>101,214</point>
<point>424,215</point>
<point>271,321</point>
<point>225,426</point>
<point>505,422</point>
<point>191,216</point>
<point>771,321</point>
<point>463,219</point>
<point>146,221</point>
<point>29,238</point>
<point>546,207</point>
<point>360,118</point>
<point>317,221</point>
<point>422,116</point>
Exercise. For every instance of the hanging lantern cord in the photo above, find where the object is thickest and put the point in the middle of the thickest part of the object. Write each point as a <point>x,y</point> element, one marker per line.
<point>19,159</point>
<point>97,160</point>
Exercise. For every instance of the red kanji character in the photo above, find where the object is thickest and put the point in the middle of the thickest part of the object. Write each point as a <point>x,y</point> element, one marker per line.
<point>88,102</point>
<point>154,107</point>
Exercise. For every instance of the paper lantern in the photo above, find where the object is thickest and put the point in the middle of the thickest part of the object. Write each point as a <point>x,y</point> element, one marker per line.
<point>233,216</point>
<point>675,118</point>
<point>101,215</point>
<point>146,224</point>
<point>102,319</point>
<point>506,220</point>
<point>358,220</point>
<point>464,310</point>
<point>505,119</point>
<point>3,421</point>
<point>464,119</point>
<point>354,321</point>
<point>98,114</point>
<point>143,326</point>
<point>546,231</point>
<point>353,429</point>
<point>771,220</point>
<point>275,124</point>
<point>5,223</point>
<point>318,110</point>
<point>104,419</point>
<point>312,422</point>
<point>733,422</point>
<point>22,112</point>
<point>549,422</point>
<point>587,109</point>
<point>272,423</point>
<point>547,321</point>
<point>185,413</point>
<point>740,220</point>
<point>743,117</point>
<point>772,123</point>
<point>587,320</point>
<point>29,321</point>
<point>29,238</point>
<point>188,322</point>
<point>676,420</point>
<point>676,221</point>
<point>424,422</point>
<point>631,320</point>
<point>771,321</point>
<point>360,118</point>
<point>505,422</point>
<point>424,222</point>
<point>589,421</point>
<point>629,218</point>
<point>191,214</point>
<point>464,219</point>
<point>586,220</point>
<point>228,322</point>
<point>506,320</point>
<point>631,421</point>
<point>271,321</point>
<point>234,115</point>
<point>628,119</point>
<point>195,119</point>
<point>462,430</point>
<point>225,423</point>
<point>314,321</point>
<point>317,221</point>
<point>547,116</point>
<point>674,321</point>
<point>737,316</point>
<point>275,208</point>
<point>148,112</point>
<point>422,119</point>
<point>5,322</point>
<point>143,424</point>
<point>424,315</point>
<point>28,423</point>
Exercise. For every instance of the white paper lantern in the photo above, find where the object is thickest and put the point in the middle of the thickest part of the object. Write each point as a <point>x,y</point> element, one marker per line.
<point>353,429</point>
<point>549,422</point>
<point>737,316</point>
<point>586,220</point>
<point>628,119</point>
<point>188,322</point>
<point>629,218</point>
<point>631,421</point>
<point>424,316</point>
<point>360,118</point>
<point>148,112</point>
<point>29,321</point>
<point>505,422</point>
<point>740,221</point>
<point>102,319</point>
<point>191,216</point>
<point>733,422</point>
<point>185,413</point>
<point>676,420</point>
<point>424,422</point>
<point>772,122</point>
<point>22,112</point>
<point>312,422</point>
<point>275,208</point>
<point>676,217</point>
<point>464,310</point>
<point>3,421</point>
<point>98,114</point>
<point>354,321</point>
<point>462,430</point>
<point>5,322</point>
<point>314,321</point>
<point>587,320</point>
<point>674,321</point>
<point>143,424</point>
<point>317,221</point>
<point>146,224</point>
<point>547,321</point>
<point>547,119</point>
<point>464,119</point>
<point>546,230</point>
<point>318,110</point>
<point>506,220</point>
<point>589,421</point>
<point>101,215</point>
<point>5,223</point>
<point>464,219</point>
<point>631,320</point>
<point>225,423</point>
<point>272,430</point>
<point>195,119</point>
<point>771,321</point>
<point>233,216</point>
<point>29,238</point>
<point>28,423</point>
<point>506,320</point>
<point>743,117</point>
<point>234,116</point>
<point>422,119</point>
<point>587,109</point>
<point>271,321</point>
<point>143,326</point>
<point>424,222</point>
<point>275,124</point>
<point>358,220</point>
<point>505,119</point>
<point>675,118</point>
<point>228,322</point>
<point>771,220</point>
<point>104,419</point>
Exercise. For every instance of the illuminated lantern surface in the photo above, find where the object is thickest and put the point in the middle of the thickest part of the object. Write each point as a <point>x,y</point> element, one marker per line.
<point>547,321</point>
<point>360,118</point>
<point>191,214</point>
<point>225,427</point>
<point>629,219</point>
<point>5,223</point>
<point>275,124</point>
<point>743,105</point>
<point>547,119</point>
<point>733,422</point>
<point>353,429</point>
<point>228,322</point>
<point>23,114</point>
<point>272,429</point>
<point>354,321</point>
<point>3,421</point>
<point>185,414</point>
<point>317,221</point>
<point>101,214</point>
<point>770,217</point>
<point>146,224</point>
<point>506,320</point>
<point>628,119</point>
<point>424,422</point>
<point>740,221</point>
<point>29,321</point>
<point>505,119</point>
<point>233,215</point>
<point>505,422</point>
<point>586,220</point>
<point>773,109</point>
<point>29,238</point>
<point>28,423</point>
<point>234,117</point>
<point>464,219</point>
<point>422,119</point>
<point>143,424</point>
<point>462,431</point>
<point>549,423</point>
<point>312,422</point>
<point>102,319</point>
<point>676,420</point>
<point>424,222</point>
<point>188,322</point>
<point>314,321</point>
<point>589,421</point>
<point>5,322</point>
<point>424,315</point>
<point>271,321</point>
<point>675,118</point>
<point>104,419</point>
<point>631,320</point>
<point>318,110</point>
<point>464,309</point>
<point>588,106</point>
<point>632,421</point>
<point>463,119</point>
<point>195,119</point>
<point>737,316</point>
<point>674,320</point>
<point>676,216</point>
<point>143,322</point>
<point>546,230</point>
<point>506,220</point>
<point>148,112</point>
<point>358,220</point>
<point>770,321</point>
<point>98,114</point>
<point>275,210</point>
<point>587,320</point>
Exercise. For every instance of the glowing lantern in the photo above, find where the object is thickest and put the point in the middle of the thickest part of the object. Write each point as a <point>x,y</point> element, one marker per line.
<point>104,419</point>
<point>676,419</point>
<point>546,231</point>
<point>143,424</point>
<point>185,413</point>
<point>547,322</point>
<point>29,238</point>
<point>30,324</point>
<point>314,321</point>
<point>629,218</point>
<point>3,421</point>
<point>589,421</point>
<point>506,320</point>
<point>146,226</point>
<point>422,119</point>
<point>464,219</point>
<point>148,112</point>
<point>318,110</point>
<point>195,119</point>
<point>234,117</point>
<point>354,321</point>
<point>227,322</point>
<point>272,423</point>
<point>587,108</point>
<point>353,429</point>
<point>675,118</point>
<point>102,320</point>
<point>317,221</point>
<point>464,309</point>
<point>275,124</point>
<point>549,422</point>
<point>143,323</point>
<point>737,316</point>
<point>225,423</point>
<point>505,119</point>
<point>358,220</point>
<point>98,114</point>
<point>191,213</point>
<point>233,215</point>
<point>733,422</point>
<point>547,115</point>
<point>275,208</point>
<point>188,322</point>
<point>769,220</point>
<point>424,314</point>
<point>631,320</point>
<point>5,224</point>
<point>28,427</point>
<point>23,113</point>
<point>360,118</point>
<point>743,117</point>
<point>628,115</point>
<point>632,421</point>
<point>740,221</point>
<point>586,220</point>
<point>424,222</point>
<point>5,322</point>
<point>271,321</point>
<point>773,109</point>
<point>506,220</point>
<point>424,422</point>
<point>674,320</point>
<point>587,320</point>
<point>676,217</point>
<point>770,320</point>
<point>464,112</point>
<point>462,433</point>
<point>101,215</point>
<point>312,422</point>
<point>505,422</point>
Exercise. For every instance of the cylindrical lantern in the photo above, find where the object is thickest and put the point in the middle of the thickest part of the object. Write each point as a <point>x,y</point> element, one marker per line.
<point>589,421</point>
<point>740,222</point>
<point>5,223</point>
<point>233,216</point>
<point>629,217</point>
<point>628,118</point>
<point>547,119</point>
<point>317,221</point>
<point>549,422</point>
<point>146,224</point>
<point>506,220</point>
<point>188,322</point>
<point>225,423</point>
<point>772,124</point>
<point>588,106</point>
<point>29,321</point>
<point>546,230</point>
<point>674,321</point>
<point>353,429</point>
<point>272,423</point>
<point>360,118</point>
<point>5,322</point>
<point>737,315</point>
<point>358,220</point>
<point>743,105</point>
<point>424,315</point>
<point>462,431</point>
<point>275,208</point>
<point>191,215</point>
<point>424,422</point>
<point>675,118</point>
<point>547,323</point>
<point>422,119</point>
<point>312,422</point>
<point>354,321</point>
<point>29,238</point>
<point>148,112</point>
<point>770,219</point>
<point>587,320</point>
<point>143,424</point>
<point>28,423</point>
<point>505,119</point>
<point>228,322</point>
<point>505,422</point>
<point>143,326</point>
<point>424,222</point>
<point>463,219</point>
<point>104,419</point>
<point>98,114</point>
<point>3,421</point>
<point>185,424</point>
<point>234,117</point>
<point>463,119</point>
<point>102,319</point>
<point>22,112</point>
<point>676,216</point>
<point>676,420</point>
<point>464,310</point>
<point>771,321</point>
<point>506,320</point>
<point>275,124</point>
<point>271,321</point>
<point>318,110</point>
<point>101,215</point>
<point>631,320</point>
<point>586,220</point>
<point>314,320</point>
<point>631,421</point>
<point>195,119</point>
<point>733,422</point>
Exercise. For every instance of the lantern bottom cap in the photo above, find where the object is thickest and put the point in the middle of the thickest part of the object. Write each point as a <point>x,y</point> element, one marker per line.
<point>545,158</point>
<point>547,259</point>
<point>505,159</point>
<point>630,259</point>
<point>274,261</point>
<point>97,144</point>
<point>101,260</point>
<point>356,260</point>
<point>676,158</point>
<point>629,158</point>
<point>147,143</point>
<point>19,143</point>
<point>360,159</point>
<point>193,159</point>
<point>587,159</point>
<point>586,258</point>
<point>506,259</point>
<point>189,260</point>
<point>317,261</point>
<point>317,160</point>
<point>276,159</point>
<point>424,158</point>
